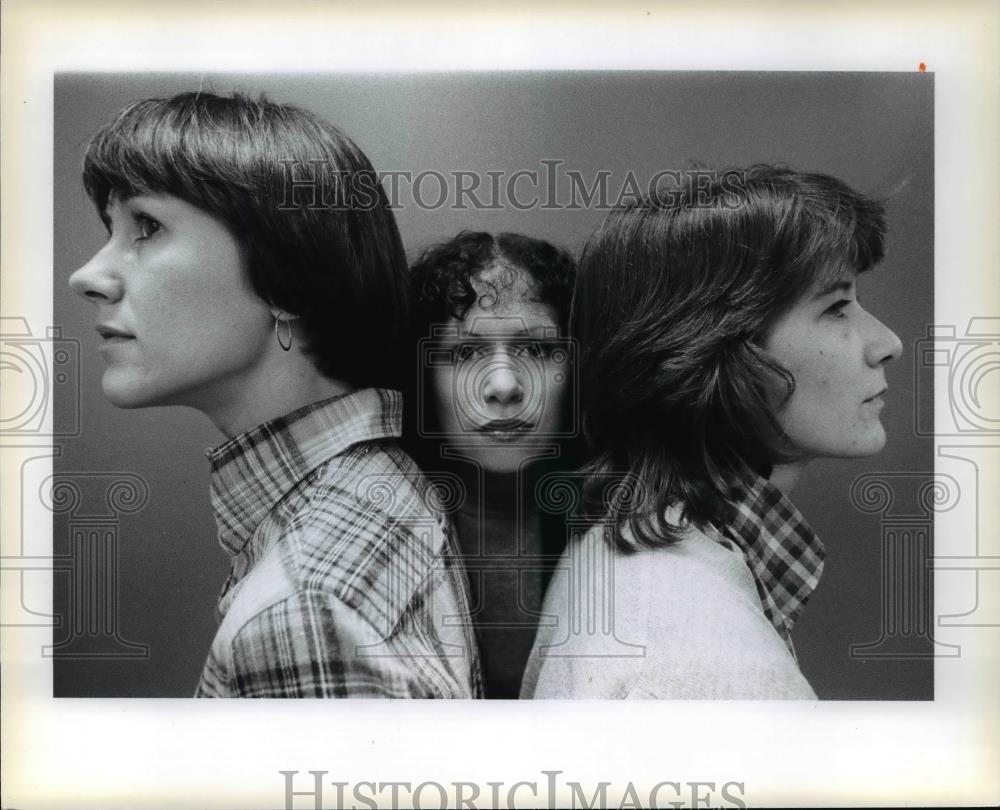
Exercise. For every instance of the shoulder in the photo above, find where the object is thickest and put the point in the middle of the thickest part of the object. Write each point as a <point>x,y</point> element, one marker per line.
<point>310,644</point>
<point>692,607</point>
<point>694,570</point>
<point>363,529</point>
<point>378,477</point>
<point>593,630</point>
<point>710,638</point>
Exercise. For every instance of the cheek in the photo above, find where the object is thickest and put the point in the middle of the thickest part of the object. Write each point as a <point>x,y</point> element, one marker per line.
<point>821,416</point>
<point>555,399</point>
<point>202,311</point>
<point>213,328</point>
<point>243,334</point>
<point>824,376</point>
<point>441,386</point>
<point>809,407</point>
<point>813,368</point>
<point>215,270</point>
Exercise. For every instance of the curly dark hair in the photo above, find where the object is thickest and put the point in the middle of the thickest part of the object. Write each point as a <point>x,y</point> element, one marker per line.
<point>441,287</point>
<point>441,278</point>
<point>674,297</point>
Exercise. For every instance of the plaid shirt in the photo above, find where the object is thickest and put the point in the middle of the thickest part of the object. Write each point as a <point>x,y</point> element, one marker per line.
<point>784,555</point>
<point>344,582</point>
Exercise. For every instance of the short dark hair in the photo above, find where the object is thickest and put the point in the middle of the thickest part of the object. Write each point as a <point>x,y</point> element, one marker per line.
<point>674,296</point>
<point>317,234</point>
<point>441,278</point>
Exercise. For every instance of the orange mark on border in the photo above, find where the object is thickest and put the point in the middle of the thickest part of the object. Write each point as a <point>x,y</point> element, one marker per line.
<point>922,68</point>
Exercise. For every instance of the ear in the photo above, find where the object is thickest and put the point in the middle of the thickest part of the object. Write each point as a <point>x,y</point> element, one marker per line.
<point>280,314</point>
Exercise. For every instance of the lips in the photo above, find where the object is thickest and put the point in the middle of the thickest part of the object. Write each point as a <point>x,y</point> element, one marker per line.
<point>873,397</point>
<point>505,426</point>
<point>111,332</point>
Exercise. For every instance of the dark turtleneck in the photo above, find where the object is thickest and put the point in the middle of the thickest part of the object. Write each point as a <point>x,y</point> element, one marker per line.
<point>509,548</point>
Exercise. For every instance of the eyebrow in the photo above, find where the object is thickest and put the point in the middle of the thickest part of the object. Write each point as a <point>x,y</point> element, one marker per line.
<point>837,285</point>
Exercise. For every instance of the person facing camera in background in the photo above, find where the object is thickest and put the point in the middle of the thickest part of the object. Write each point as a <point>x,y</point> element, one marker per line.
<point>492,413</point>
<point>254,271</point>
<point>723,348</point>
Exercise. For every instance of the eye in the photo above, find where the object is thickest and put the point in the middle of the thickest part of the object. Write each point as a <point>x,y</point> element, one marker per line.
<point>837,309</point>
<point>146,226</point>
<point>471,350</point>
<point>532,350</point>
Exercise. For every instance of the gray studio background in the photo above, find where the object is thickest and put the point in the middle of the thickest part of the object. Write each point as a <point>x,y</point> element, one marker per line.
<point>875,131</point>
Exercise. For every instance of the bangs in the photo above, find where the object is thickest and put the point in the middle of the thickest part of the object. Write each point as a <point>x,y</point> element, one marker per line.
<point>161,146</point>
<point>847,235</point>
<point>825,234</point>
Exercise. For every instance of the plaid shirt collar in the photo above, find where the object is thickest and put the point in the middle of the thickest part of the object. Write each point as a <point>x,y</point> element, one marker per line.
<point>252,472</point>
<point>784,555</point>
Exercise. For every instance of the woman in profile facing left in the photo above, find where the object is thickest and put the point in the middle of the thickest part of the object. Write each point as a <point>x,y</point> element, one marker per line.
<point>254,271</point>
<point>723,347</point>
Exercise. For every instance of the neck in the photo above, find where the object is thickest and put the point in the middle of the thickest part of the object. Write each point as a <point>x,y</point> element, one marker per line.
<point>786,476</point>
<point>286,387</point>
<point>497,489</point>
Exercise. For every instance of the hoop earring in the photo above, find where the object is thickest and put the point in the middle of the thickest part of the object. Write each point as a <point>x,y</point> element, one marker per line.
<point>286,344</point>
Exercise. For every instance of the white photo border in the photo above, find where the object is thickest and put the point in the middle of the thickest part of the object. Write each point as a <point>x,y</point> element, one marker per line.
<point>164,753</point>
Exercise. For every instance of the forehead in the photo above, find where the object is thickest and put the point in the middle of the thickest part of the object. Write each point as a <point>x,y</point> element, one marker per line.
<point>506,304</point>
<point>117,199</point>
<point>123,199</point>
<point>811,284</point>
<point>830,279</point>
<point>162,204</point>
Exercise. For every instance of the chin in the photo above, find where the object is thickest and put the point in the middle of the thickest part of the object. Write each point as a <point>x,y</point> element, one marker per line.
<point>870,445</point>
<point>121,394</point>
<point>502,460</point>
<point>126,402</point>
<point>876,447</point>
<point>846,445</point>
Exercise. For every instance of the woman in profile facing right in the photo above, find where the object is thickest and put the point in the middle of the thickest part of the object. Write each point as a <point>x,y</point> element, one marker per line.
<point>722,348</point>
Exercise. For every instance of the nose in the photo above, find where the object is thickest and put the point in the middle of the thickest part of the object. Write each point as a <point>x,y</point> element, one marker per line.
<point>503,387</point>
<point>96,280</point>
<point>883,344</point>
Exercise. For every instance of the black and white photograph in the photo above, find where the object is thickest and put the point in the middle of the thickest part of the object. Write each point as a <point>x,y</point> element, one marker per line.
<point>608,403</point>
<point>559,276</point>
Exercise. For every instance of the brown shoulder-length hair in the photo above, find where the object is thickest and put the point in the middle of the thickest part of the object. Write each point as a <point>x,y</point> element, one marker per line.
<point>673,298</point>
